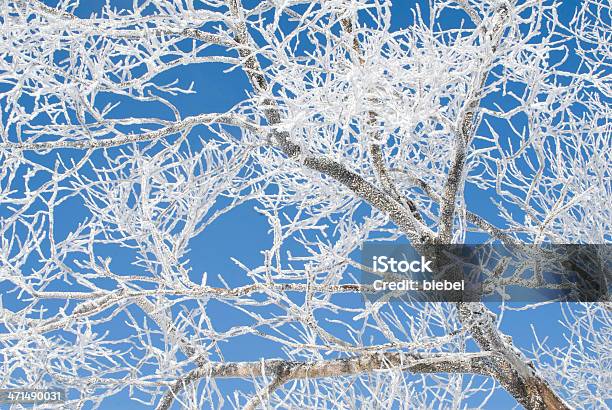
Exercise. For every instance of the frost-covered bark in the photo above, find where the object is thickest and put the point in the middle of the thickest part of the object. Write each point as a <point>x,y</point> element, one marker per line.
<point>350,127</point>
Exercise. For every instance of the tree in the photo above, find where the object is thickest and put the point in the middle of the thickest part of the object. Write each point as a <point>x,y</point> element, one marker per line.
<point>351,128</point>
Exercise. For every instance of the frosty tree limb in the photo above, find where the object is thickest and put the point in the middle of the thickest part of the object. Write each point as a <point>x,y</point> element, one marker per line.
<point>540,397</point>
<point>516,374</point>
<point>283,370</point>
<point>131,33</point>
<point>353,181</point>
<point>375,151</point>
<point>466,124</point>
<point>187,123</point>
<point>477,220</point>
<point>356,127</point>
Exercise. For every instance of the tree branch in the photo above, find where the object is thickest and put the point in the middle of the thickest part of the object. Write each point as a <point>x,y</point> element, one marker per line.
<point>378,162</point>
<point>364,189</point>
<point>131,33</point>
<point>264,395</point>
<point>477,220</point>
<point>465,129</point>
<point>474,363</point>
<point>387,204</point>
<point>202,119</point>
<point>515,372</point>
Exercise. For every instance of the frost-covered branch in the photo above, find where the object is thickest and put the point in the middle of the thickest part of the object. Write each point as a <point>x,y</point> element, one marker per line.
<point>177,127</point>
<point>282,370</point>
<point>467,120</point>
<point>181,179</point>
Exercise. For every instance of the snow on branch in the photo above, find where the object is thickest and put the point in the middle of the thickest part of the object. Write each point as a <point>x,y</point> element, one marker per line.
<point>180,180</point>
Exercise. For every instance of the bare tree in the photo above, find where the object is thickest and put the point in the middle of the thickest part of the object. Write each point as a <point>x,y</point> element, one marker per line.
<point>352,128</point>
